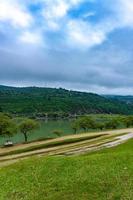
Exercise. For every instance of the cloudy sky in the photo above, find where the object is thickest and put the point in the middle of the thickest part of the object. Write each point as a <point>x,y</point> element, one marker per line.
<point>75,44</point>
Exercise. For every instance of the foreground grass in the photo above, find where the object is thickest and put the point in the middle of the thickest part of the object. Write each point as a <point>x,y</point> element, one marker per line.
<point>105,175</point>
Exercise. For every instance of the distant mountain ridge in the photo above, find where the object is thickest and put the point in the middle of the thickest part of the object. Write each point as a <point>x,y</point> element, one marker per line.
<point>34,100</point>
<point>127,98</point>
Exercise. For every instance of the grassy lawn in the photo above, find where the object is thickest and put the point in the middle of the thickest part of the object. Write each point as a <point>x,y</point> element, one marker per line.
<point>105,175</point>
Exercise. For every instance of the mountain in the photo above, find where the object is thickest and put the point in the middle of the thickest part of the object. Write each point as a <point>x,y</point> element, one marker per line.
<point>127,99</point>
<point>35,100</point>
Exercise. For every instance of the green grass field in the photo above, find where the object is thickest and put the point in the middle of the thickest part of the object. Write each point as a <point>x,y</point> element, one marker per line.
<point>103,175</point>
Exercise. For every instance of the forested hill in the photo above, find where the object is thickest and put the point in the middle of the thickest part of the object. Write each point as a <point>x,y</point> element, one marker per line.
<point>35,100</point>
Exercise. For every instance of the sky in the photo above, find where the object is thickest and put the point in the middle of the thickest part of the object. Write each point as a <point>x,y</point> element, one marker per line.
<point>84,45</point>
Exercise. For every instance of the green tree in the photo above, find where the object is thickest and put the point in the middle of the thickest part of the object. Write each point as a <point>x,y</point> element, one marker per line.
<point>112,124</point>
<point>7,126</point>
<point>0,109</point>
<point>100,125</point>
<point>27,126</point>
<point>85,123</point>
<point>128,121</point>
<point>75,126</point>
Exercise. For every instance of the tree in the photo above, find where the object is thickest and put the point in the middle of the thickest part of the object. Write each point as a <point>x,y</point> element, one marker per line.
<point>0,109</point>
<point>7,126</point>
<point>75,126</point>
<point>100,125</point>
<point>112,124</point>
<point>85,123</point>
<point>128,121</point>
<point>27,126</point>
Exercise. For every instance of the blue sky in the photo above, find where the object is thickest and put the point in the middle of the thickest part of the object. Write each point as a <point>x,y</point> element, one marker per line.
<point>76,44</point>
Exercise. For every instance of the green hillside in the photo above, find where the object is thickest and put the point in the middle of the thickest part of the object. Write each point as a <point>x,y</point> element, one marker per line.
<point>35,100</point>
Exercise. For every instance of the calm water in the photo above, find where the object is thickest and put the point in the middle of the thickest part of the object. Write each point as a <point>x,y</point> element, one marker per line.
<point>45,131</point>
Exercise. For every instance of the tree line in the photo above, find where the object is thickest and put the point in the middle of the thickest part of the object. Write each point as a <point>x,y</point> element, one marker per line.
<point>9,126</point>
<point>86,122</point>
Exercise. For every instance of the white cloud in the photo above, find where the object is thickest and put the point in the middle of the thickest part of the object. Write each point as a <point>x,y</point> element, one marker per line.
<point>124,10</point>
<point>88,14</point>
<point>78,33</point>
<point>84,35</point>
<point>94,69</point>
<point>14,13</point>
<point>17,17</point>
<point>55,11</point>
<point>31,38</point>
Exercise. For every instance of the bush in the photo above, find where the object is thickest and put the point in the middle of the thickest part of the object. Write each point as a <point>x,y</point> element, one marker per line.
<point>58,132</point>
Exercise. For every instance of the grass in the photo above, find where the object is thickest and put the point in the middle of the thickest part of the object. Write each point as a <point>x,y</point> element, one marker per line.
<point>103,175</point>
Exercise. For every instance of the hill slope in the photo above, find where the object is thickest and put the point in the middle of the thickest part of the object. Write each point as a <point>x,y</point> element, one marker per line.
<point>32,100</point>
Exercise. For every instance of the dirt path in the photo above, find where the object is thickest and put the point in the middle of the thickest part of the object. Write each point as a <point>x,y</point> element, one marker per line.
<point>36,143</point>
<point>117,141</point>
<point>120,139</point>
<point>67,149</point>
